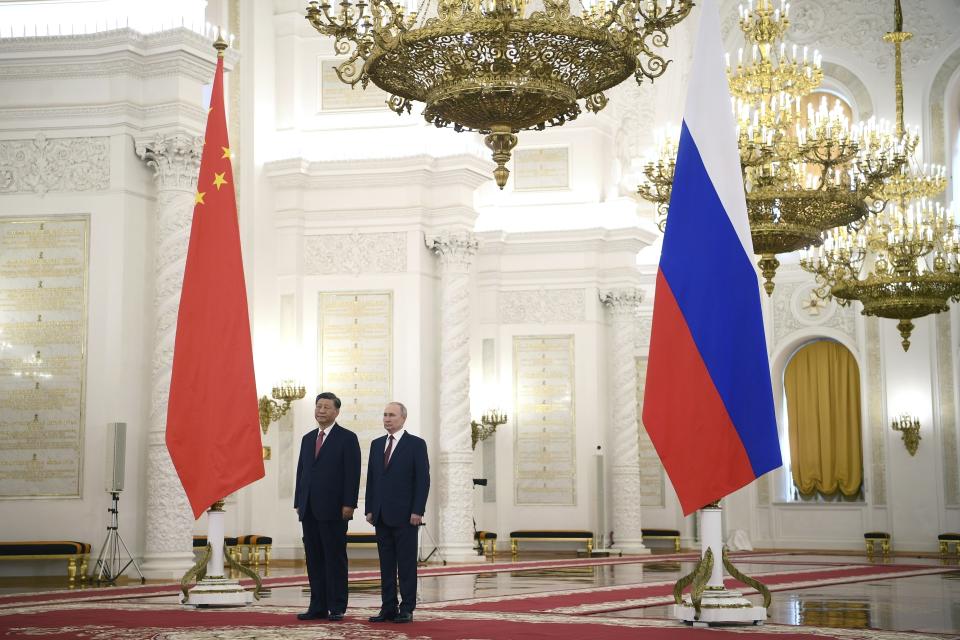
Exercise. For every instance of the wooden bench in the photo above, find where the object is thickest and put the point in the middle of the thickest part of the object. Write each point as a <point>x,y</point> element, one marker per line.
<point>663,534</point>
<point>945,540</point>
<point>77,555</point>
<point>882,538</point>
<point>361,539</point>
<point>551,535</point>
<point>488,542</point>
<point>253,544</point>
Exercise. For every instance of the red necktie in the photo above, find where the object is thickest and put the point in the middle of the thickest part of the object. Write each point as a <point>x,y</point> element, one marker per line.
<point>386,456</point>
<point>316,452</point>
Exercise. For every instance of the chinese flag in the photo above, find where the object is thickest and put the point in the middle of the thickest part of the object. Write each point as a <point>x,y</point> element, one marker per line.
<point>213,429</point>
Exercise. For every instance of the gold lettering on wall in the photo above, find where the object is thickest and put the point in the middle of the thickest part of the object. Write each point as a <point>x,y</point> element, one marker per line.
<point>356,360</point>
<point>545,444</point>
<point>43,294</point>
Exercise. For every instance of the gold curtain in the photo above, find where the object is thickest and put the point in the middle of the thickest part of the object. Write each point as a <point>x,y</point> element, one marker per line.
<point>822,385</point>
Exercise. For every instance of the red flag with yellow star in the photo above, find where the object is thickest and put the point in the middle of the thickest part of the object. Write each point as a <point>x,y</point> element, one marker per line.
<point>213,428</point>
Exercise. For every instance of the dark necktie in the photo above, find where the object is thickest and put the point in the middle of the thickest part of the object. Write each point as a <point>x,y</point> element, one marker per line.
<point>316,452</point>
<point>386,456</point>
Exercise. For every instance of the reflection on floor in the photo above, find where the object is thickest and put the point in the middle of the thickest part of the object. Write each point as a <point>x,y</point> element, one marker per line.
<point>928,603</point>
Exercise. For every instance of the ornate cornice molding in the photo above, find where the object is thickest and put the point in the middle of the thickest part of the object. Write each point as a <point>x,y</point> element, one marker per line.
<point>43,165</point>
<point>174,158</point>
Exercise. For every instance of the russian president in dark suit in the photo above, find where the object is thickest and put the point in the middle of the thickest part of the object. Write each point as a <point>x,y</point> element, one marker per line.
<point>398,481</point>
<point>328,483</point>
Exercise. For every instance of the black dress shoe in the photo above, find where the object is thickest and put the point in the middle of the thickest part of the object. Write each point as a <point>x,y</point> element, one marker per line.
<point>404,617</point>
<point>383,616</point>
<point>312,615</point>
<point>335,617</point>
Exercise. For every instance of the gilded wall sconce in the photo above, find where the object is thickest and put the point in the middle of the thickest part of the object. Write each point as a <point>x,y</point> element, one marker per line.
<point>909,427</point>
<point>271,410</point>
<point>480,431</point>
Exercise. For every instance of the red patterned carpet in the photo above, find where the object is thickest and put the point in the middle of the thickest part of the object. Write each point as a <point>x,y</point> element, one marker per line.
<point>136,613</point>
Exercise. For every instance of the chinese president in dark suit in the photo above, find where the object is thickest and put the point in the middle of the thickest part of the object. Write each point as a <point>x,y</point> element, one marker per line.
<point>398,481</point>
<point>328,481</point>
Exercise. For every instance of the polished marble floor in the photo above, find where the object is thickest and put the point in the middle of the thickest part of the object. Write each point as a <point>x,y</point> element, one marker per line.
<point>929,603</point>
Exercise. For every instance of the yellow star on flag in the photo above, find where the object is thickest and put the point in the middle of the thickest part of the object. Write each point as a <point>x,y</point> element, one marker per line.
<point>226,153</point>
<point>198,198</point>
<point>219,180</point>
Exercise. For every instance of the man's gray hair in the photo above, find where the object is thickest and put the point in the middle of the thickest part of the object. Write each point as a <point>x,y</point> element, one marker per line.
<point>403,409</point>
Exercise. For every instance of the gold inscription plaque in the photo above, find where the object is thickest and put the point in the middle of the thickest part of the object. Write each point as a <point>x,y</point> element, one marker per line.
<point>43,297</point>
<point>356,349</point>
<point>338,96</point>
<point>545,469</point>
<point>541,169</point>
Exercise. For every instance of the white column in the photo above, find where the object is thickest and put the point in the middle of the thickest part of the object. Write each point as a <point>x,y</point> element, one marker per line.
<point>456,251</point>
<point>175,160</point>
<point>624,445</point>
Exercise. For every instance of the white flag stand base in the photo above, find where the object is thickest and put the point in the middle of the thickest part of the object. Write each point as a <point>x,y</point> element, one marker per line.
<point>720,607</point>
<point>212,589</point>
<point>709,601</point>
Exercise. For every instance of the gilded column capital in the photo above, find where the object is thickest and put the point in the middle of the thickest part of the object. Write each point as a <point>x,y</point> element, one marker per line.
<point>454,248</point>
<point>622,301</point>
<point>174,158</point>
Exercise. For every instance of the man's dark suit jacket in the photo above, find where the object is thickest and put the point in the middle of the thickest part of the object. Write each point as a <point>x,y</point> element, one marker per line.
<point>401,489</point>
<point>332,480</point>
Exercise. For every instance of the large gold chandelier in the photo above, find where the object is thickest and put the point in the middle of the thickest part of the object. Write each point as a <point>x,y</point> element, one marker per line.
<point>907,253</point>
<point>805,170</point>
<point>489,66</point>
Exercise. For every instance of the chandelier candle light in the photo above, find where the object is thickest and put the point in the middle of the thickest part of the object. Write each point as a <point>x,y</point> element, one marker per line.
<point>490,65</point>
<point>909,254</point>
<point>805,170</point>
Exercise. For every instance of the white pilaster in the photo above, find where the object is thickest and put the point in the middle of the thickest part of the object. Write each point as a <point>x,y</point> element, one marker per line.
<point>623,305</point>
<point>456,252</point>
<point>175,159</point>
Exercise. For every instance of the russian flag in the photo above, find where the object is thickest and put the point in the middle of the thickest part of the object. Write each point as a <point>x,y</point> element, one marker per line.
<point>708,403</point>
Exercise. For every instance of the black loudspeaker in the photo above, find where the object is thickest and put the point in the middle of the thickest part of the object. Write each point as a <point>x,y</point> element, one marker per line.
<point>116,454</point>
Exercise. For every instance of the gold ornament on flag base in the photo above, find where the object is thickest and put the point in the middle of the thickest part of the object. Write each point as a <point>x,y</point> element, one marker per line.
<point>488,66</point>
<point>709,601</point>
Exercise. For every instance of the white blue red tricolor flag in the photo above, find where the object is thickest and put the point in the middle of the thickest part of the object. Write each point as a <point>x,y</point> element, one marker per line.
<point>708,403</point>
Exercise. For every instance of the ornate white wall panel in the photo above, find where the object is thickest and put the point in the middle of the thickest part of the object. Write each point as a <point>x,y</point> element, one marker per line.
<point>797,308</point>
<point>356,253</point>
<point>542,306</point>
<point>545,470</point>
<point>43,321</point>
<point>875,414</point>
<point>948,412</point>
<point>651,469</point>
<point>44,164</point>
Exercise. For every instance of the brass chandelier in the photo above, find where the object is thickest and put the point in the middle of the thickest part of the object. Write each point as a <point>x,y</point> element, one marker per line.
<point>492,67</point>
<point>805,170</point>
<point>907,252</point>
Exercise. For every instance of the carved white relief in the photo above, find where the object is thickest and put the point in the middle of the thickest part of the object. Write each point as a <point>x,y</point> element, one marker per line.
<point>651,469</point>
<point>796,307</point>
<point>541,306</point>
<point>623,305</point>
<point>44,165</point>
<point>859,25</point>
<point>948,415</point>
<point>175,160</point>
<point>644,328</point>
<point>356,253</point>
<point>455,252</point>
<point>875,419</point>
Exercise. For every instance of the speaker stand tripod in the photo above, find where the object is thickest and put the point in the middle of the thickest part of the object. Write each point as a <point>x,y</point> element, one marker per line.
<point>108,567</point>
